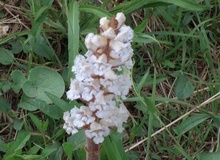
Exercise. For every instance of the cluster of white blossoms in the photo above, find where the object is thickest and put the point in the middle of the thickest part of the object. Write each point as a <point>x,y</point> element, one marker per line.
<point>102,81</point>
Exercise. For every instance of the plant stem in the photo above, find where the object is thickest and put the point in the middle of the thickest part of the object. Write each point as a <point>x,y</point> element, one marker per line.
<point>92,150</point>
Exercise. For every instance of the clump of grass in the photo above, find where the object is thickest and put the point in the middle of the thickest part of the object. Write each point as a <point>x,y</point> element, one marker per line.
<point>174,100</point>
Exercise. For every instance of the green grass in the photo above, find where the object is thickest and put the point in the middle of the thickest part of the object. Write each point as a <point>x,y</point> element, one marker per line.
<point>174,102</point>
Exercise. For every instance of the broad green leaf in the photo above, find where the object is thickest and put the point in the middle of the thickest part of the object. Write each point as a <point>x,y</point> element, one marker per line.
<point>78,140</point>
<point>20,141</point>
<point>33,150</point>
<point>184,87</point>
<point>41,80</point>
<point>61,103</point>
<point>209,156</point>
<point>41,47</point>
<point>2,146</point>
<point>49,149</point>
<point>18,80</point>
<point>6,56</point>
<point>17,124</point>
<point>17,45</point>
<point>29,157</point>
<point>27,104</point>
<point>4,105</point>
<point>189,123</point>
<point>68,149</point>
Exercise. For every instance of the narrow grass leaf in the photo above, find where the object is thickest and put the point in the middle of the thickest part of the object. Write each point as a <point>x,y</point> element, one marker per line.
<point>144,38</point>
<point>189,123</point>
<point>117,142</point>
<point>38,123</point>
<point>73,34</point>
<point>186,4</point>
<point>95,10</point>
<point>141,84</point>
<point>183,152</point>
<point>141,27</point>
<point>111,149</point>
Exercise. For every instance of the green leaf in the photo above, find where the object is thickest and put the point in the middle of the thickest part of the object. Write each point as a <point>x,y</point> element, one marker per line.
<point>95,10</point>
<point>78,140</point>
<point>2,146</point>
<point>169,64</point>
<point>19,79</point>
<point>186,4</point>
<point>38,123</point>
<point>20,141</point>
<point>144,38</point>
<point>6,56</point>
<point>4,105</point>
<point>209,156</point>
<point>184,87</point>
<point>189,123</point>
<point>111,149</point>
<point>68,149</point>
<point>41,80</point>
<point>49,149</point>
<point>27,104</point>
<point>73,34</point>
<point>17,124</point>
<point>17,45</point>
<point>42,48</point>
<point>61,103</point>
<point>142,82</point>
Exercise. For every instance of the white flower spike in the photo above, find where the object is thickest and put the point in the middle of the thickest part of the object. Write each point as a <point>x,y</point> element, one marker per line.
<point>102,79</point>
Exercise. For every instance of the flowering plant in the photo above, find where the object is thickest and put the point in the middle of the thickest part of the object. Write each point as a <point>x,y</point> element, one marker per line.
<point>102,80</point>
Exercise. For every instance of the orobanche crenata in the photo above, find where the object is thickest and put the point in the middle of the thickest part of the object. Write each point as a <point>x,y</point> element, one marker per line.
<point>102,80</point>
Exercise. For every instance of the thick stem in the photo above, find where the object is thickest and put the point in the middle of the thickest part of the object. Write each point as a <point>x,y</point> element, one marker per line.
<point>92,150</point>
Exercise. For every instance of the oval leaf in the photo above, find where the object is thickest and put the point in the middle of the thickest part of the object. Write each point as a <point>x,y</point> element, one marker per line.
<point>6,56</point>
<point>41,80</point>
<point>190,123</point>
<point>184,87</point>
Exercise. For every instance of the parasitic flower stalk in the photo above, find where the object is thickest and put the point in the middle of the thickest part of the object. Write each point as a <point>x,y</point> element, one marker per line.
<point>102,81</point>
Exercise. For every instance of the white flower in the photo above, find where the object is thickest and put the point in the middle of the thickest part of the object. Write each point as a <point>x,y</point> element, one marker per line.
<point>120,17</point>
<point>104,23</point>
<point>125,34</point>
<point>109,33</point>
<point>97,132</point>
<point>93,42</point>
<point>75,90</point>
<point>77,118</point>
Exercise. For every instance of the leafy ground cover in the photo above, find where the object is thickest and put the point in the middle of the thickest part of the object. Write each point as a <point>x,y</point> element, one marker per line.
<point>174,102</point>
